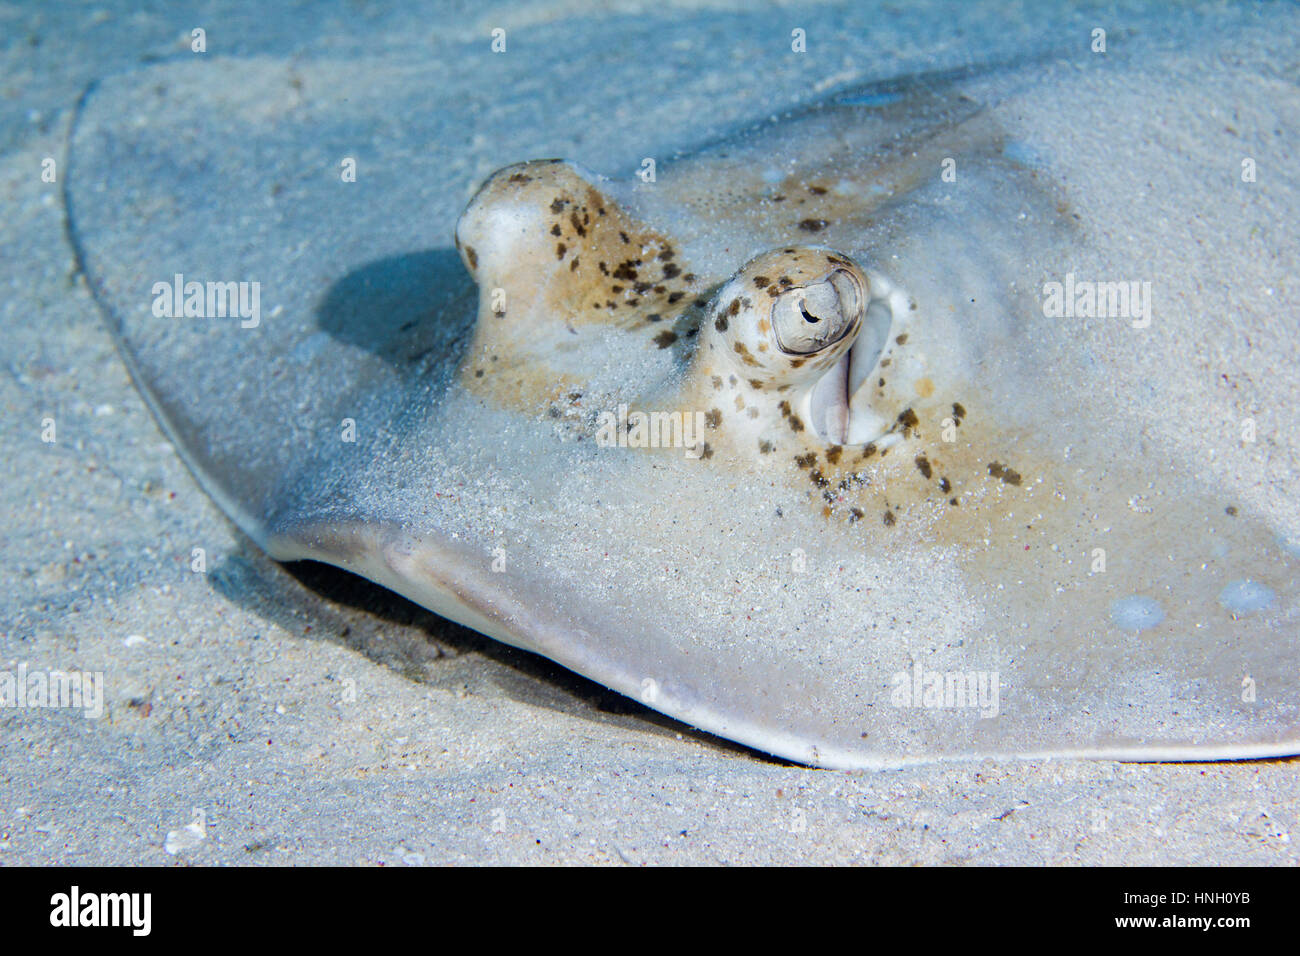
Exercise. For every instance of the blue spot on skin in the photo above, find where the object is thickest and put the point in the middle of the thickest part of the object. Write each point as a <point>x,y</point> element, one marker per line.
<point>1245,595</point>
<point>870,99</point>
<point>1136,613</point>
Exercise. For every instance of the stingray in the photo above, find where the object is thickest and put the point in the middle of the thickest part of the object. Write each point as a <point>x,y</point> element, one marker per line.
<point>831,437</point>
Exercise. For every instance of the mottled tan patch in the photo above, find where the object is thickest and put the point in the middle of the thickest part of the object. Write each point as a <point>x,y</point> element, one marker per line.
<point>580,261</point>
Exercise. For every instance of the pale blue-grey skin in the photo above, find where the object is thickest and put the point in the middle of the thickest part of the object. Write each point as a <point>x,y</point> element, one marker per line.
<point>736,592</point>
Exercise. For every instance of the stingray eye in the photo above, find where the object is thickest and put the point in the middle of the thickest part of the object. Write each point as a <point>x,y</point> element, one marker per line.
<point>812,317</point>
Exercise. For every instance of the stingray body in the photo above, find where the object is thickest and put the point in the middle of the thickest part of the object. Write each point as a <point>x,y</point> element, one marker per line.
<point>820,441</point>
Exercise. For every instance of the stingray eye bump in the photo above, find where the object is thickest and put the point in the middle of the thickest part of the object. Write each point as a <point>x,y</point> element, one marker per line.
<point>788,315</point>
<point>813,317</point>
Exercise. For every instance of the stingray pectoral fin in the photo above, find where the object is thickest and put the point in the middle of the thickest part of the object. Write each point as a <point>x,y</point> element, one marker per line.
<point>627,650</point>
<point>431,570</point>
<point>776,699</point>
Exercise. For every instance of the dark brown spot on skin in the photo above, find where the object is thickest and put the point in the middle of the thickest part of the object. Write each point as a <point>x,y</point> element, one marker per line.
<point>795,424</point>
<point>573,266</point>
<point>797,362</point>
<point>999,470</point>
<point>784,409</point>
<point>689,277</point>
<point>833,454</point>
<point>556,230</point>
<point>720,323</point>
<point>945,485</point>
<point>708,452</point>
<point>868,450</point>
<point>672,270</point>
<point>520,178</point>
<point>762,281</point>
<point>676,297</point>
<point>908,419</point>
<point>478,373</point>
<point>626,270</point>
<point>641,288</point>
<point>734,308</point>
<point>902,339</point>
<point>654,317</point>
<point>923,466</point>
<point>953,502</point>
<point>889,519</point>
<point>604,270</point>
<point>665,338</point>
<point>472,256</point>
<point>756,384</point>
<point>806,461</point>
<point>765,446</point>
<point>1230,511</point>
<point>785,281</point>
<point>817,190</point>
<point>817,479</point>
<point>701,303</point>
<point>717,381</point>
<point>812,225</point>
<point>616,289</point>
<point>560,250</point>
<point>557,206</point>
<point>666,253</point>
<point>958,411</point>
<point>713,418</point>
<point>745,355</point>
<point>577,225</point>
<point>855,515</point>
<point>623,235</point>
